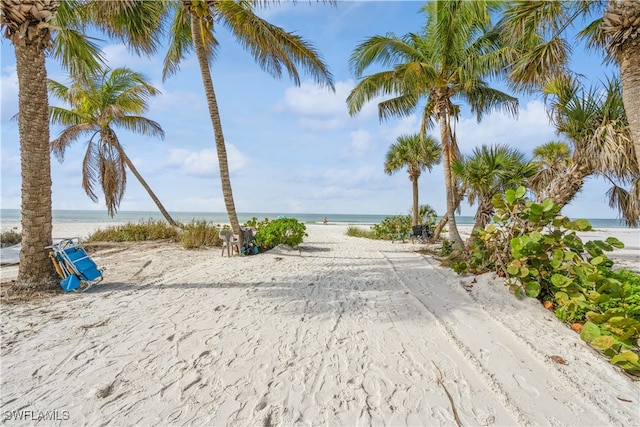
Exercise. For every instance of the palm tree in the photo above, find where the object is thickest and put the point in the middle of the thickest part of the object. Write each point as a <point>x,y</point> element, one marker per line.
<point>447,62</point>
<point>595,123</point>
<point>36,29</point>
<point>552,159</point>
<point>30,27</point>
<point>194,26</point>
<point>112,98</point>
<point>536,32</point>
<point>489,171</point>
<point>416,154</point>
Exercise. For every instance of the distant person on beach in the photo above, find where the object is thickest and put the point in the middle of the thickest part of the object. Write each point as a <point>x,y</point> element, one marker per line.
<point>324,221</point>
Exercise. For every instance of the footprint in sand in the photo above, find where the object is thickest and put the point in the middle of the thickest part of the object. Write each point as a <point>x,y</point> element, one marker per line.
<point>522,382</point>
<point>371,386</point>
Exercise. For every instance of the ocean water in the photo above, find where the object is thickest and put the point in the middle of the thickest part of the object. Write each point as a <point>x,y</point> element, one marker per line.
<point>12,215</point>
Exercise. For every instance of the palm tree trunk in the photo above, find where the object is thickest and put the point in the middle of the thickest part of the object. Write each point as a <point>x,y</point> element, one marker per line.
<point>564,187</point>
<point>445,218</point>
<point>35,270</point>
<point>449,182</point>
<point>629,61</point>
<point>153,196</point>
<point>216,122</point>
<point>483,214</point>
<point>416,206</point>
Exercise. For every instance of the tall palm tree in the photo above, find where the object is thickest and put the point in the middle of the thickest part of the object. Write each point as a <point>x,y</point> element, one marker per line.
<point>38,28</point>
<point>416,154</point>
<point>111,99</point>
<point>595,123</point>
<point>193,26</point>
<point>552,159</point>
<point>537,33</point>
<point>443,65</point>
<point>490,170</point>
<point>29,27</point>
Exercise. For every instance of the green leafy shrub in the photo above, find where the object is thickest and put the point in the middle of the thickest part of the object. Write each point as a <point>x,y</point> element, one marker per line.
<point>255,224</point>
<point>198,234</point>
<point>540,255</point>
<point>135,232</point>
<point>392,226</point>
<point>287,231</point>
<point>10,238</point>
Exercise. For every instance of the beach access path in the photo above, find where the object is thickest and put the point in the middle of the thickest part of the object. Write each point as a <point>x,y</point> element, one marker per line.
<point>341,331</point>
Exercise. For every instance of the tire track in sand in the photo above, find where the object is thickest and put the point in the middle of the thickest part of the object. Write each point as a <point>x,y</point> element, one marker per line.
<point>519,381</point>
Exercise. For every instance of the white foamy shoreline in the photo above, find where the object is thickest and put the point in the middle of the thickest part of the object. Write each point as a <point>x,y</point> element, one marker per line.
<point>341,331</point>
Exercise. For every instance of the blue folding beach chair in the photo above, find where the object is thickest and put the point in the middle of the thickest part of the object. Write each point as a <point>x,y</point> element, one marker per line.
<point>76,269</point>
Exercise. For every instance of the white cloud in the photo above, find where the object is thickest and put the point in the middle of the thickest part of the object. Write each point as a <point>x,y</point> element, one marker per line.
<point>320,109</point>
<point>204,163</point>
<point>361,144</point>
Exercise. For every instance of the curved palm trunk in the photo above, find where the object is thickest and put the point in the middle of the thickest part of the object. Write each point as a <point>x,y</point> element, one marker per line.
<point>629,61</point>
<point>153,196</point>
<point>449,182</point>
<point>564,187</point>
<point>416,206</point>
<point>217,125</point>
<point>484,212</point>
<point>35,270</point>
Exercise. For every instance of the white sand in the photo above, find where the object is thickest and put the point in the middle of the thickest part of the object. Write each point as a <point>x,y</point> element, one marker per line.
<point>343,331</point>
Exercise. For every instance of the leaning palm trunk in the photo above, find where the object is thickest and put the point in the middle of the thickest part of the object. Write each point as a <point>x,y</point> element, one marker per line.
<point>153,196</point>
<point>483,214</point>
<point>215,121</point>
<point>35,159</point>
<point>564,187</point>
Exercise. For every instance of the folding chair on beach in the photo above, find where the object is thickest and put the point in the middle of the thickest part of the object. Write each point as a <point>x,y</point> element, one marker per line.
<point>230,242</point>
<point>76,269</point>
<point>421,233</point>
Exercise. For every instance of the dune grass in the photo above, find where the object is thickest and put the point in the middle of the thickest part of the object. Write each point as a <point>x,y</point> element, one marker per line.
<point>360,232</point>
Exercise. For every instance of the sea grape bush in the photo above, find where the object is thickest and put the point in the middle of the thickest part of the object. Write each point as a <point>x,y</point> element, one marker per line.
<point>392,226</point>
<point>540,255</point>
<point>287,231</point>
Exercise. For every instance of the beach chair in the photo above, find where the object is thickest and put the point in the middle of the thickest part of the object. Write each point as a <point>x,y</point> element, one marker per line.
<point>229,242</point>
<point>421,233</point>
<point>76,269</point>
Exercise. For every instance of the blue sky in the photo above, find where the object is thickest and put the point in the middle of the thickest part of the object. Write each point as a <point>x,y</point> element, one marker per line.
<point>291,149</point>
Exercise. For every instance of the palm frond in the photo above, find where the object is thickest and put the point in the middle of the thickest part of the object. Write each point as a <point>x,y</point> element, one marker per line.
<point>140,125</point>
<point>273,48</point>
<point>180,43</point>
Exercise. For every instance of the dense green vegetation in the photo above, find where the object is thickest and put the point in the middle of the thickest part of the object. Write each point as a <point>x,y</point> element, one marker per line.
<point>540,255</point>
<point>281,231</point>
<point>199,234</point>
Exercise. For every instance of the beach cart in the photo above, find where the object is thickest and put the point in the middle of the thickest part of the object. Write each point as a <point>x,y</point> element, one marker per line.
<point>76,269</point>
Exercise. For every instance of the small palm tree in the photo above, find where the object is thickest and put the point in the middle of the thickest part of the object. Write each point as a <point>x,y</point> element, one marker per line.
<point>537,38</point>
<point>110,99</point>
<point>446,63</point>
<point>552,159</point>
<point>489,171</point>
<point>595,123</point>
<point>416,154</point>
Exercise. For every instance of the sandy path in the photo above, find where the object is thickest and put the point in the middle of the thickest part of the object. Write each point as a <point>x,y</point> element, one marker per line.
<point>344,331</point>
